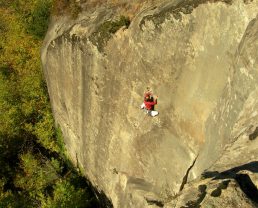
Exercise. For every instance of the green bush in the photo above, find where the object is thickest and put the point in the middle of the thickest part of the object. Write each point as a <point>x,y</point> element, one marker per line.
<point>39,19</point>
<point>5,70</point>
<point>37,173</point>
<point>65,195</point>
<point>5,3</point>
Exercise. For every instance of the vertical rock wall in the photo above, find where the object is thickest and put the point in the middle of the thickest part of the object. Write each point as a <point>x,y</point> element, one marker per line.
<point>198,57</point>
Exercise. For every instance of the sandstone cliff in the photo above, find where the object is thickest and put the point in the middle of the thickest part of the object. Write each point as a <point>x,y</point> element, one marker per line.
<point>201,58</point>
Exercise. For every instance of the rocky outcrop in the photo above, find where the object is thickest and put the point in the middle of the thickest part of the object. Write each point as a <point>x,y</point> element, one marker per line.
<point>200,57</point>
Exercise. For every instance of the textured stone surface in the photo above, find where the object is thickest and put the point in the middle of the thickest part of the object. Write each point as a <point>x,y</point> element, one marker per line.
<point>200,58</point>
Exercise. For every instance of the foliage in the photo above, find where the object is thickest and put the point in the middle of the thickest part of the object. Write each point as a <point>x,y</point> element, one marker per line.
<point>34,171</point>
<point>34,14</point>
<point>65,195</point>
<point>5,3</point>
<point>10,200</point>
<point>37,174</point>
<point>60,142</point>
<point>38,21</point>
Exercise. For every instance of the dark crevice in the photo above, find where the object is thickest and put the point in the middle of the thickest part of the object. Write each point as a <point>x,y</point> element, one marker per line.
<point>186,175</point>
<point>155,202</point>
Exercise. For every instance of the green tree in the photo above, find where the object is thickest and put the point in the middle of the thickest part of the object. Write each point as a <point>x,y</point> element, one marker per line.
<point>65,195</point>
<point>38,20</point>
<point>35,171</point>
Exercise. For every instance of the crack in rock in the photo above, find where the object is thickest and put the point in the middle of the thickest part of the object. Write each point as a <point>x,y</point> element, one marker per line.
<point>156,202</point>
<point>186,175</point>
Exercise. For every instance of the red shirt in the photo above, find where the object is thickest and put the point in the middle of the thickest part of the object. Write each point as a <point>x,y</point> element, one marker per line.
<point>150,105</point>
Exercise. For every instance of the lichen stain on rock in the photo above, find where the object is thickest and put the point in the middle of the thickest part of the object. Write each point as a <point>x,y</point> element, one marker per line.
<point>104,32</point>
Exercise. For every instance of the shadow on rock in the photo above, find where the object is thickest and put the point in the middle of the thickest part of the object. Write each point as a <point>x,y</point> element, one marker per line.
<point>196,203</point>
<point>247,186</point>
<point>231,173</point>
<point>254,134</point>
<point>244,181</point>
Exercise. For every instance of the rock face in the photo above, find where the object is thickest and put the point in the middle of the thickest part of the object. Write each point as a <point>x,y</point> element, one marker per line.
<point>201,58</point>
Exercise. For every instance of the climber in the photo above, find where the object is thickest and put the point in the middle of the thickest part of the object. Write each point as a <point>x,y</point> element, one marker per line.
<point>147,93</point>
<point>149,106</point>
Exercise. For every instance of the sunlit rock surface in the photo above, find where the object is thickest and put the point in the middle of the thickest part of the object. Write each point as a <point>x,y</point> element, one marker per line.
<point>201,58</point>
